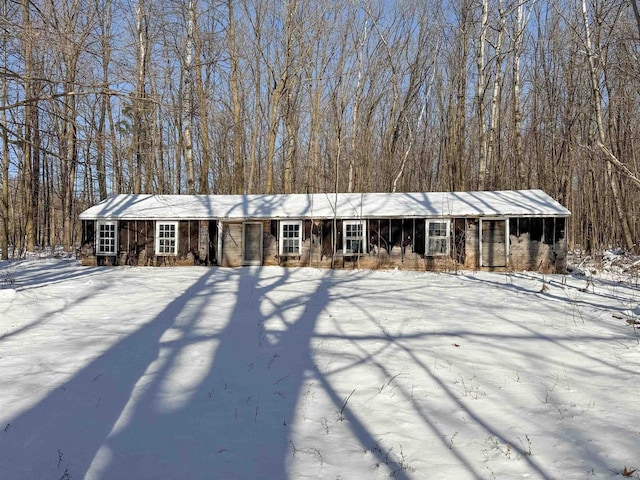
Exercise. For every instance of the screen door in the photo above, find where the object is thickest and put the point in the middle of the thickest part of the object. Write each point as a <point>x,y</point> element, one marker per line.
<point>252,245</point>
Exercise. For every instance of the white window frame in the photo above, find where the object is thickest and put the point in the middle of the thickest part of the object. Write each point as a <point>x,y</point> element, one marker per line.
<point>159,243</point>
<point>282,239</point>
<point>107,245</point>
<point>447,237</point>
<point>346,238</point>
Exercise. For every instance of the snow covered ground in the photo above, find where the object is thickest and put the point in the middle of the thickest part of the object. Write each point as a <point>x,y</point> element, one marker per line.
<point>270,373</point>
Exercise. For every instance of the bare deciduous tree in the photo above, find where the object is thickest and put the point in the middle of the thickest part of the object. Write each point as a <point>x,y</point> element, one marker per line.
<point>180,96</point>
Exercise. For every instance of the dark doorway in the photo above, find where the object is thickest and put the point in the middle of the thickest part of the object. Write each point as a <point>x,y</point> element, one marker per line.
<point>212,251</point>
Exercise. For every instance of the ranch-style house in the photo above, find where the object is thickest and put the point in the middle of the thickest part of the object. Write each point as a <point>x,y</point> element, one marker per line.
<point>494,230</point>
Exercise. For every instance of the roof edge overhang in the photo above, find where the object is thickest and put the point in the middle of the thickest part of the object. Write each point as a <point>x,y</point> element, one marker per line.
<point>322,217</point>
<point>410,205</point>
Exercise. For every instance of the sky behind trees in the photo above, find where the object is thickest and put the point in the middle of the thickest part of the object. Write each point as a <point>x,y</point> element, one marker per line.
<point>258,96</point>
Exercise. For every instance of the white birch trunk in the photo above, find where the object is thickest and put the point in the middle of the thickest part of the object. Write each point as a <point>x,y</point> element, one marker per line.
<point>481,87</point>
<point>188,102</point>
<point>610,158</point>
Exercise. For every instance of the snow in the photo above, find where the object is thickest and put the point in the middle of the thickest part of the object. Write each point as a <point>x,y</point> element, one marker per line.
<point>326,205</point>
<point>197,373</point>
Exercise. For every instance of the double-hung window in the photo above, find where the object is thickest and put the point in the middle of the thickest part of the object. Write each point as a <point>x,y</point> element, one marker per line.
<point>166,238</point>
<point>438,237</point>
<point>290,238</point>
<point>354,233</point>
<point>107,239</point>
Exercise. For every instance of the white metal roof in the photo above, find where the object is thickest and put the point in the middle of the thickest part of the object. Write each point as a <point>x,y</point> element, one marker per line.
<point>519,203</point>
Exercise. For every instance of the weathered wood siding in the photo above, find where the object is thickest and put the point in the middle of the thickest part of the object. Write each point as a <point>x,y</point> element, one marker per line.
<point>203,241</point>
<point>136,244</point>
<point>390,243</point>
<point>87,249</point>
<point>459,240</point>
<point>538,244</point>
<point>232,244</point>
<point>471,243</point>
<point>270,243</point>
<point>534,244</point>
<point>145,242</point>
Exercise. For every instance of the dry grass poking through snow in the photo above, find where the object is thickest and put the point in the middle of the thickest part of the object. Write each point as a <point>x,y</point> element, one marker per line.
<point>299,373</point>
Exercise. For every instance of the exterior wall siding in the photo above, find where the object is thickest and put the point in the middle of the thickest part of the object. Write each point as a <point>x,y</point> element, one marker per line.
<point>87,247</point>
<point>232,244</point>
<point>542,249</point>
<point>534,244</point>
<point>136,245</point>
<point>472,244</point>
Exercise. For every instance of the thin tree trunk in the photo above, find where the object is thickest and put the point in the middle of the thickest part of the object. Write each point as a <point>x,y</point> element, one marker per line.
<point>274,120</point>
<point>517,108</point>
<point>71,169</point>
<point>636,14</point>
<point>610,158</point>
<point>205,166</point>
<point>313,171</point>
<point>254,167</point>
<point>407,151</point>
<point>69,151</point>
<point>4,160</point>
<point>50,193</point>
<point>459,128</point>
<point>483,171</point>
<point>495,99</point>
<point>290,154</point>
<point>203,115</point>
<point>27,185</point>
<point>139,107</point>
<point>356,108</point>
<point>238,130</point>
<point>280,87</point>
<point>188,102</point>
<point>105,102</point>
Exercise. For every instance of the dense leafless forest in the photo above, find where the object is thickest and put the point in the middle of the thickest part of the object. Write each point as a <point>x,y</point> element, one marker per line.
<point>268,96</point>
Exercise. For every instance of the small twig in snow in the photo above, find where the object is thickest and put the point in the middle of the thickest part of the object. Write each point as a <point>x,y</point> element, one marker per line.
<point>344,404</point>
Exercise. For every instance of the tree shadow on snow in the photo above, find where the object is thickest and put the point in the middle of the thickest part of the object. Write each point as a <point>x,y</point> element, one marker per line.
<point>188,395</point>
<point>61,434</point>
<point>238,418</point>
<point>213,386</point>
